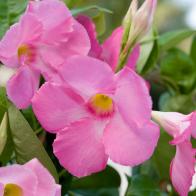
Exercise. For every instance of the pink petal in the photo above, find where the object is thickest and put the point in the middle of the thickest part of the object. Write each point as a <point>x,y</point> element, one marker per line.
<point>182,168</point>
<point>46,184</point>
<point>28,30</point>
<point>8,49</point>
<point>134,56</point>
<point>58,190</point>
<point>23,177</point>
<point>22,86</point>
<point>132,97</point>
<point>78,42</point>
<point>177,125</point>
<point>49,12</point>
<point>56,106</point>
<point>111,48</point>
<point>87,75</point>
<point>90,27</point>
<point>1,189</point>
<point>79,148</point>
<point>193,120</point>
<point>129,144</point>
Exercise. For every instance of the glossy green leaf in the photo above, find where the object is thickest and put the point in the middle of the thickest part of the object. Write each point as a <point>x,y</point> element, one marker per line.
<point>152,59</point>
<point>3,132</point>
<point>3,102</point>
<point>10,11</point>
<point>178,69</point>
<point>180,103</point>
<point>193,50</point>
<point>163,156</point>
<point>100,23</point>
<point>26,144</point>
<point>145,51</point>
<point>77,11</point>
<point>171,39</point>
<point>109,178</point>
<point>142,185</point>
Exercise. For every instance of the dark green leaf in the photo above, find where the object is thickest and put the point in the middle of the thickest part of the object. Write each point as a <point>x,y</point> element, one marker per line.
<point>10,11</point>
<point>171,39</point>
<point>152,59</point>
<point>142,185</point>
<point>180,103</point>
<point>26,144</point>
<point>109,178</point>
<point>77,11</point>
<point>178,69</point>
<point>3,102</point>
<point>193,50</point>
<point>163,155</point>
<point>3,132</point>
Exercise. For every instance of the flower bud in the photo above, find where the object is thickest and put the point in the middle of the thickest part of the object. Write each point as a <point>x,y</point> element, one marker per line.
<point>141,20</point>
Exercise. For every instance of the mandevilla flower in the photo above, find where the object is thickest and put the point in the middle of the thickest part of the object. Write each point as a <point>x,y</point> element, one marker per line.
<point>109,51</point>
<point>181,127</point>
<point>45,35</point>
<point>97,114</point>
<point>30,179</point>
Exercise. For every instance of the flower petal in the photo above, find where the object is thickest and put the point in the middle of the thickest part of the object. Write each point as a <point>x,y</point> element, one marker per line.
<point>46,184</point>
<point>133,58</point>
<point>23,177</point>
<point>22,86</point>
<point>128,144</point>
<point>132,97</point>
<point>56,106</point>
<point>90,27</point>
<point>87,75</point>
<point>111,48</point>
<point>79,148</point>
<point>194,124</point>
<point>1,189</point>
<point>182,168</point>
<point>177,125</point>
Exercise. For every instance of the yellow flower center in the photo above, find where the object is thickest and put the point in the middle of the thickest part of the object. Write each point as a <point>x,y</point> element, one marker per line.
<point>12,190</point>
<point>26,53</point>
<point>102,105</point>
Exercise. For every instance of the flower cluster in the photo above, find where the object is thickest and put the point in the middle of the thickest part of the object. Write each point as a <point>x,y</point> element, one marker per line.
<point>97,108</point>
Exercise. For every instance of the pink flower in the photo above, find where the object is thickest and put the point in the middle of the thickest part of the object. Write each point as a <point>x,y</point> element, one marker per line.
<point>39,43</point>
<point>31,179</point>
<point>109,51</point>
<point>181,127</point>
<point>97,114</point>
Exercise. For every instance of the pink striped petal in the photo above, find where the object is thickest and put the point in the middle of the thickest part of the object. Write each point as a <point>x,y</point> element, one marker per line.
<point>90,27</point>
<point>46,184</point>
<point>22,86</point>
<point>79,148</point>
<point>132,97</point>
<point>57,106</point>
<point>128,144</point>
<point>88,75</point>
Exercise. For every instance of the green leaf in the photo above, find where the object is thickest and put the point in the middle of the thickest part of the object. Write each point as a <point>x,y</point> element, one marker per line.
<point>26,144</point>
<point>171,39</point>
<point>109,178</point>
<point>142,185</point>
<point>146,49</point>
<point>180,103</point>
<point>152,59</point>
<point>178,69</point>
<point>3,132</point>
<point>10,11</point>
<point>193,50</point>
<point>100,23</point>
<point>77,11</point>
<point>163,155</point>
<point>3,102</point>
